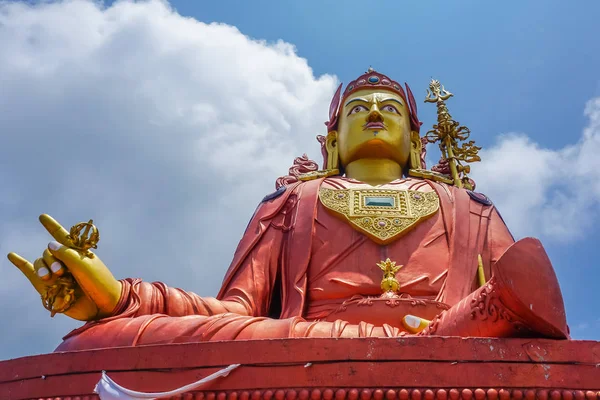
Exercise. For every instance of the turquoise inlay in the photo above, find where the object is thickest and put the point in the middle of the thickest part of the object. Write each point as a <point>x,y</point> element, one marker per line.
<point>377,201</point>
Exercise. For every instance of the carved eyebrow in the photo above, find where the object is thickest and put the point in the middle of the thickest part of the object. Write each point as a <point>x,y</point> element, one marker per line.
<point>357,99</point>
<point>391,99</point>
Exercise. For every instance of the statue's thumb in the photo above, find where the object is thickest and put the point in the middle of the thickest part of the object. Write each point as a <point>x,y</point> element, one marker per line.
<point>71,258</point>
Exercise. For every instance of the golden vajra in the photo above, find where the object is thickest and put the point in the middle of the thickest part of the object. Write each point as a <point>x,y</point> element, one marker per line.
<point>389,284</point>
<point>449,133</point>
<point>60,296</point>
<point>83,241</point>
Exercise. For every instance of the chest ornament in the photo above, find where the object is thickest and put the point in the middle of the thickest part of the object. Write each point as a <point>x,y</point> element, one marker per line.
<point>383,215</point>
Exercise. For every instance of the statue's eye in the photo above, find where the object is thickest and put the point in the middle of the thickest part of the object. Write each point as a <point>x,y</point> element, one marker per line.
<point>390,108</point>
<point>358,109</point>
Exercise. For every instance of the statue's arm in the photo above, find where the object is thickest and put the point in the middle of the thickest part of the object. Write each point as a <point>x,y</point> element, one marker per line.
<point>255,276</point>
<point>498,240</point>
<point>247,286</point>
<point>145,298</point>
<point>247,292</point>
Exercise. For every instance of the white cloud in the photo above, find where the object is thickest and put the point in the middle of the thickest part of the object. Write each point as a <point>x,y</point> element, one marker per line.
<point>543,192</point>
<point>165,130</point>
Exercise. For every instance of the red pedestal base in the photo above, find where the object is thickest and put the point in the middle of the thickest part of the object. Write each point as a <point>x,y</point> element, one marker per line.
<point>413,368</point>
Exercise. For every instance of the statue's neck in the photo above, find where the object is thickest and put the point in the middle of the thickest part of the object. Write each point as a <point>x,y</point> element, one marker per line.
<point>374,171</point>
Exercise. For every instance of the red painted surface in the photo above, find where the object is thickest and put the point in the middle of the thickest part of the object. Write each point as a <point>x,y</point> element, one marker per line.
<point>322,263</point>
<point>367,368</point>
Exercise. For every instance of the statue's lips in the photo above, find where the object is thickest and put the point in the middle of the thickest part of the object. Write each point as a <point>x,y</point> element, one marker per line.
<point>374,147</point>
<point>374,125</point>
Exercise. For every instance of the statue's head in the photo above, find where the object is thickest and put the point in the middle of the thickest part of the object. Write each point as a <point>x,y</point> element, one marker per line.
<point>374,118</point>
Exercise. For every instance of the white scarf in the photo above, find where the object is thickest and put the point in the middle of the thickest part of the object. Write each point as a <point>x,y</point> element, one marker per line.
<point>107,389</point>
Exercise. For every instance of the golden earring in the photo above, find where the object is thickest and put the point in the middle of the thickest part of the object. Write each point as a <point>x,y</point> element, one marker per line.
<point>415,150</point>
<point>332,151</point>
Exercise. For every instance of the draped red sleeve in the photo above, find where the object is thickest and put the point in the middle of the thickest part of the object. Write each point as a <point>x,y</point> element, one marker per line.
<point>247,293</point>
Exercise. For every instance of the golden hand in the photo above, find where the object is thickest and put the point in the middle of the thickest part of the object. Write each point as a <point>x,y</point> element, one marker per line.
<point>77,282</point>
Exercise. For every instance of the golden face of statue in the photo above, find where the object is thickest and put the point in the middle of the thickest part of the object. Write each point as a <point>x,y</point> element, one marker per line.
<point>374,124</point>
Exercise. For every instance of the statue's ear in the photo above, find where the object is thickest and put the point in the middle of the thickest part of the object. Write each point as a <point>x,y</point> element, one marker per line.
<point>415,150</point>
<point>332,150</point>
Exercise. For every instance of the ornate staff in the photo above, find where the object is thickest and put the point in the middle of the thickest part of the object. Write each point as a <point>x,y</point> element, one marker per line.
<point>449,133</point>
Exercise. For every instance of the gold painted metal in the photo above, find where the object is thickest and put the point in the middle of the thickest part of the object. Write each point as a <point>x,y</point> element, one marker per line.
<point>379,153</point>
<point>86,290</point>
<point>431,175</point>
<point>449,133</point>
<point>389,283</point>
<point>63,291</point>
<point>333,160</point>
<point>480,271</point>
<point>382,224</point>
<point>333,157</point>
<point>416,147</point>
<point>82,237</point>
<point>83,241</point>
<point>309,176</point>
<point>374,171</point>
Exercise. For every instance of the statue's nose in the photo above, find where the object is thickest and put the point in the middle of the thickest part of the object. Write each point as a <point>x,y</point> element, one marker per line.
<point>374,114</point>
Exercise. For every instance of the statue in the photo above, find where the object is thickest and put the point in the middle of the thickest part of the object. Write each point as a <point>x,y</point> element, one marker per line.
<point>374,244</point>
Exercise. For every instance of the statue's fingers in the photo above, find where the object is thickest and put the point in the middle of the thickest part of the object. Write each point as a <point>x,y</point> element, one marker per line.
<point>24,266</point>
<point>55,229</point>
<point>53,263</point>
<point>82,269</point>
<point>42,270</point>
<point>28,270</point>
<point>71,258</point>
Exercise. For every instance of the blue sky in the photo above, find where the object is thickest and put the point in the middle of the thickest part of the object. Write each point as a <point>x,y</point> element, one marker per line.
<point>528,67</point>
<point>134,94</point>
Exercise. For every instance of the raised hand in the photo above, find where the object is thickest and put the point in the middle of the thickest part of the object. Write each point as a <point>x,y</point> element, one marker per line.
<point>77,282</point>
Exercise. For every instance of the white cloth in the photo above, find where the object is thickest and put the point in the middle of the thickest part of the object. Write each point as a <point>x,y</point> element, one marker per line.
<point>107,389</point>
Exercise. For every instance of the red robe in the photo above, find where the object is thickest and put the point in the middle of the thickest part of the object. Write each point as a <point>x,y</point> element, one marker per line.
<point>296,263</point>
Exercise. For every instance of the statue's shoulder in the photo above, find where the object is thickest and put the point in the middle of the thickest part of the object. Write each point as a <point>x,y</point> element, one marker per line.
<point>286,197</point>
<point>429,175</point>
<point>451,191</point>
<point>443,180</point>
<point>283,192</point>
<point>277,193</point>
<point>479,197</point>
<point>272,203</point>
<point>326,173</point>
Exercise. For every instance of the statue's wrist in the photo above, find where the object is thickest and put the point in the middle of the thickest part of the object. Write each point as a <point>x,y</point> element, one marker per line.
<point>120,305</point>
